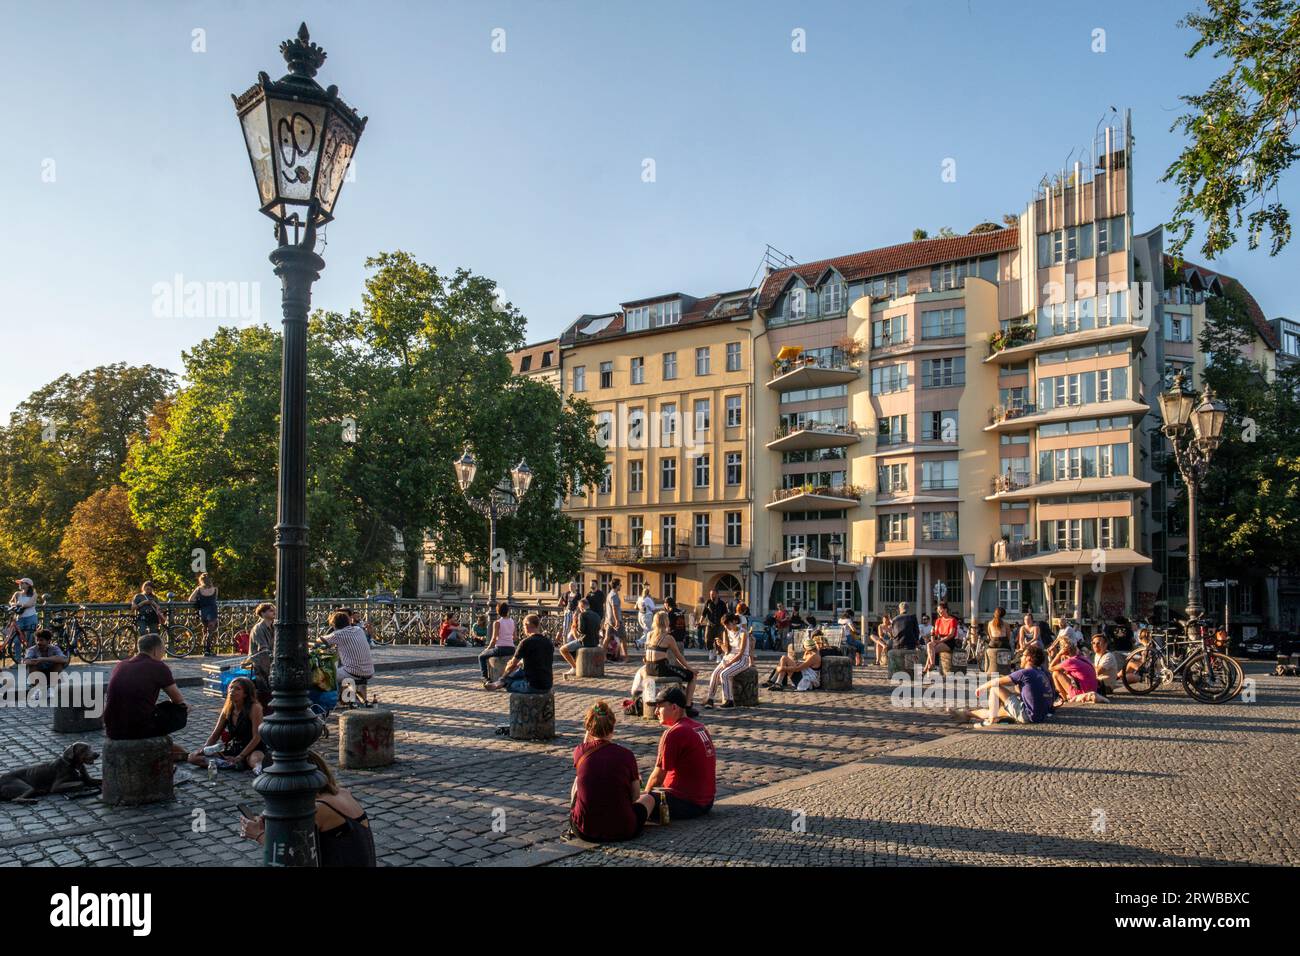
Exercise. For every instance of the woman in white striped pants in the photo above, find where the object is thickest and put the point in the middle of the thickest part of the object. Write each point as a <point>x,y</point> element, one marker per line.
<point>733,662</point>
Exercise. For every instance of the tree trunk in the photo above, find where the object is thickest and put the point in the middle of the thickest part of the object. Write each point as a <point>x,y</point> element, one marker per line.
<point>413,544</point>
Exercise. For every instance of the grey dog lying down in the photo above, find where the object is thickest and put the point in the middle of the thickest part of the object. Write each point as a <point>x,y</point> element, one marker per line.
<point>63,775</point>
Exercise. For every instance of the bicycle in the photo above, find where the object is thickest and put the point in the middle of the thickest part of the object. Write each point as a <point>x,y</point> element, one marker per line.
<point>75,637</point>
<point>15,638</point>
<point>178,639</point>
<point>1208,676</point>
<point>410,627</point>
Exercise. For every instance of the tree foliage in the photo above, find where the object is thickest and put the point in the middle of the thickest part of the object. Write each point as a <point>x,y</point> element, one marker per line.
<point>106,550</point>
<point>1241,130</point>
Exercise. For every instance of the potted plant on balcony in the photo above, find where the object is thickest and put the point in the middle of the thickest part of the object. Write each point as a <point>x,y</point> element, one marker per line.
<point>850,348</point>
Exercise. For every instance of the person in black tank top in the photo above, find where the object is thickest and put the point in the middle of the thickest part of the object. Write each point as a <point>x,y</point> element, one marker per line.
<point>343,836</point>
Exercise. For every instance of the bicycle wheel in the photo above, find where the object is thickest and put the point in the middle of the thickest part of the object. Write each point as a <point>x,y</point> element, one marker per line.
<point>122,642</point>
<point>1209,678</point>
<point>387,632</point>
<point>1139,673</point>
<point>88,645</point>
<point>180,640</point>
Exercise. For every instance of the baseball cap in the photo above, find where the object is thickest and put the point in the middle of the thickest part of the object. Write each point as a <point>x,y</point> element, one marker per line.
<point>27,581</point>
<point>672,694</point>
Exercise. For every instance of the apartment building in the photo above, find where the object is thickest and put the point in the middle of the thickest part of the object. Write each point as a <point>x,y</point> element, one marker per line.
<point>671,380</point>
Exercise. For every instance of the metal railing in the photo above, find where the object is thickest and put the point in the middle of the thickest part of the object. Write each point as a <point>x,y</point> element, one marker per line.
<point>1004,413</point>
<point>837,362</point>
<point>832,491</point>
<point>825,428</point>
<point>1012,481</point>
<point>1003,550</point>
<point>663,553</point>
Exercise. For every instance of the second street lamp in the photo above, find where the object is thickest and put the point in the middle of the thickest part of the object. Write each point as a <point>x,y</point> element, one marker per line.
<point>836,549</point>
<point>501,502</point>
<point>1194,431</point>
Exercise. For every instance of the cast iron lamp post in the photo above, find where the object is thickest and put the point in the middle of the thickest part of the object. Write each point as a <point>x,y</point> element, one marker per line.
<point>501,502</point>
<point>300,140</point>
<point>744,581</point>
<point>1195,432</point>
<point>836,549</point>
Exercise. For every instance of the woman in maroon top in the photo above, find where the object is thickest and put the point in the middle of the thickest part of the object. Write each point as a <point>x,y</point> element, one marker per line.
<point>607,804</point>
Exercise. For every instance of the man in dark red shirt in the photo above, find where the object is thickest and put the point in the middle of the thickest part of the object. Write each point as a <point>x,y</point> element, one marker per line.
<point>132,710</point>
<point>686,767</point>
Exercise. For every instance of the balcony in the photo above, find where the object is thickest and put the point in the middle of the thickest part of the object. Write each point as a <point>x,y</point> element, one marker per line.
<point>1012,338</point>
<point>815,498</point>
<point>1043,557</point>
<point>889,344</point>
<point>1005,413</point>
<point>1017,418</point>
<point>814,435</point>
<point>1004,551</point>
<point>1062,336</point>
<point>1015,490</point>
<point>640,555</point>
<point>1011,481</point>
<point>806,371</point>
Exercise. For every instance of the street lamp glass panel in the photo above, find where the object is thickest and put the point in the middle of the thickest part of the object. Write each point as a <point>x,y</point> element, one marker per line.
<point>257,137</point>
<point>336,155</point>
<point>1176,407</point>
<point>1209,418</point>
<point>836,549</point>
<point>465,469</point>
<point>521,476</point>
<point>297,130</point>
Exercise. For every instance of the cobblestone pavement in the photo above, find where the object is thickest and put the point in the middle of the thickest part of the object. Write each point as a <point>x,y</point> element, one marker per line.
<point>1178,782</point>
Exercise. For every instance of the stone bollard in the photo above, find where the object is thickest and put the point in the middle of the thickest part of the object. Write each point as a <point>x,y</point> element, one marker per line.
<point>945,662</point>
<point>744,688</point>
<point>497,667</point>
<point>365,738</point>
<point>590,662</point>
<point>837,673</point>
<point>72,699</point>
<point>997,659</point>
<point>532,716</point>
<point>650,688</point>
<point>137,771</point>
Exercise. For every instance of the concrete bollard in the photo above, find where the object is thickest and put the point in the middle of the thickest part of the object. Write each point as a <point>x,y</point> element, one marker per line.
<point>137,771</point>
<point>532,716</point>
<point>650,688</point>
<point>71,696</point>
<point>837,673</point>
<point>744,688</point>
<point>365,738</point>
<point>497,667</point>
<point>590,662</point>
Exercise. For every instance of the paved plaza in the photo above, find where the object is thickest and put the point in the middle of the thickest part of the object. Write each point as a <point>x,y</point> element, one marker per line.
<point>804,779</point>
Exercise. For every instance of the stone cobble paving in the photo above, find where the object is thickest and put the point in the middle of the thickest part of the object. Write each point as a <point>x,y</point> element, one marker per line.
<point>459,795</point>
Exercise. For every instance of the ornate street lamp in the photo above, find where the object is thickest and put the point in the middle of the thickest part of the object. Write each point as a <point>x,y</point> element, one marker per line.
<point>1195,432</point>
<point>836,549</point>
<point>744,579</point>
<point>502,501</point>
<point>300,140</point>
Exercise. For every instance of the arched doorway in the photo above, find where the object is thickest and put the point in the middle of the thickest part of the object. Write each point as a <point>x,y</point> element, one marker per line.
<point>728,588</point>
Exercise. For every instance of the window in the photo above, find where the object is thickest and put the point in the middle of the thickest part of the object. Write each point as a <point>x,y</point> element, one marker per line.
<point>832,297</point>
<point>703,418</point>
<point>635,477</point>
<point>580,378</point>
<point>702,471</point>
<point>943,372</point>
<point>670,586</point>
<point>702,360</point>
<point>666,313</point>
<point>733,356</point>
<point>939,475</point>
<point>889,331</point>
<point>670,366</point>
<point>607,479</point>
<point>733,529</point>
<point>939,426</point>
<point>668,425</point>
<point>635,584</point>
<point>604,532</point>
<point>893,527</point>
<point>638,370</point>
<point>1113,532</point>
<point>891,479</point>
<point>733,468</point>
<point>701,530</point>
<point>546,359</point>
<point>668,474</point>
<point>636,530</point>
<point>943,323</point>
<point>637,320</point>
<point>733,411</point>
<point>604,428</point>
<point>1009,597</point>
<point>889,378</point>
<point>525,364</point>
<point>953,275</point>
<point>606,374</point>
<point>668,534</point>
<point>636,428</point>
<point>582,532</point>
<point>893,430</point>
<point>1178,328</point>
<point>938,526</point>
<point>797,304</point>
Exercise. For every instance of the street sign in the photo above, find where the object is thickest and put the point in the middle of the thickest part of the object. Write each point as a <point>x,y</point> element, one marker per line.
<point>940,591</point>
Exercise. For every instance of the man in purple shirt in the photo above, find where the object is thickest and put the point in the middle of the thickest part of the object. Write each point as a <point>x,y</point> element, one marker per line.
<point>1023,696</point>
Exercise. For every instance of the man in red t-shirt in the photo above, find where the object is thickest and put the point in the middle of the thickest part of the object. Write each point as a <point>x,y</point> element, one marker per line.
<point>132,710</point>
<point>686,767</point>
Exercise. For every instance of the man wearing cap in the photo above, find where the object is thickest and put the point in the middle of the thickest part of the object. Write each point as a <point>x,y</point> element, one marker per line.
<point>906,634</point>
<point>684,779</point>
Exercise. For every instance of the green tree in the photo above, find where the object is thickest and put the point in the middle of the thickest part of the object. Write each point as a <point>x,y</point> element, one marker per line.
<point>106,550</point>
<point>66,441</point>
<point>1241,130</point>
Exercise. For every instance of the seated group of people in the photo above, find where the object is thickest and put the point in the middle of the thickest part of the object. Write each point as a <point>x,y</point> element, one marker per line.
<point>664,657</point>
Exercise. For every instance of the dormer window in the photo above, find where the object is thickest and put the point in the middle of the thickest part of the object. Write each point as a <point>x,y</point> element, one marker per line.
<point>657,315</point>
<point>525,363</point>
<point>546,360</point>
<point>832,297</point>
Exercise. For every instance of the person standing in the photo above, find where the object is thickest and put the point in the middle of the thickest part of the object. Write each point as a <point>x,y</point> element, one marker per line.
<point>204,597</point>
<point>596,599</point>
<point>715,613</point>
<point>261,640</point>
<point>614,611</point>
<point>569,605</point>
<point>148,612</point>
<point>25,600</point>
<point>645,608</point>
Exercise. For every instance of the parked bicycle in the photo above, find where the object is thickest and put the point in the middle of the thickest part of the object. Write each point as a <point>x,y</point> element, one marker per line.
<point>1207,674</point>
<point>14,644</point>
<point>74,636</point>
<point>179,640</point>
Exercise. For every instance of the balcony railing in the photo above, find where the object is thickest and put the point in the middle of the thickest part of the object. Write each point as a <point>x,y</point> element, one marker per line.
<point>1012,337</point>
<point>663,553</point>
<point>836,362</point>
<point>830,491</point>
<point>1012,481</point>
<point>827,428</point>
<point>1004,550</point>
<point>1004,413</point>
<point>891,343</point>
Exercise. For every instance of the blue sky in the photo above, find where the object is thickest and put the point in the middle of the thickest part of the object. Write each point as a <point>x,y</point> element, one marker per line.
<point>526,165</point>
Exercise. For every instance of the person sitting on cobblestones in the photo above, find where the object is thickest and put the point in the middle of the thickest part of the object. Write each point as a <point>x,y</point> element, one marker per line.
<point>1023,696</point>
<point>788,667</point>
<point>529,671</point>
<point>131,708</point>
<point>1106,663</point>
<point>480,631</point>
<point>44,656</point>
<point>241,722</point>
<point>355,663</point>
<point>606,803</point>
<point>502,641</point>
<point>449,631</point>
<point>1074,677</point>
<point>686,766</point>
<point>736,658</point>
<point>664,658</point>
<point>342,828</point>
